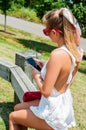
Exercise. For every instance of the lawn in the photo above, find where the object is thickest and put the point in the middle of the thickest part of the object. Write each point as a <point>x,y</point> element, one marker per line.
<point>15,41</point>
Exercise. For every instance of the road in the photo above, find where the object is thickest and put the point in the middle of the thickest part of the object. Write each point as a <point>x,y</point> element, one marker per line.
<point>31,27</point>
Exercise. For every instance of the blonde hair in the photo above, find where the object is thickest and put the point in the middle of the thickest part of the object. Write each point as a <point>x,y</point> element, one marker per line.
<point>55,20</point>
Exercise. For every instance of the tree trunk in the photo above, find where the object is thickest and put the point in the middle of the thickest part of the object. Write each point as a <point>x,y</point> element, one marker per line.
<point>5,22</point>
<point>5,6</point>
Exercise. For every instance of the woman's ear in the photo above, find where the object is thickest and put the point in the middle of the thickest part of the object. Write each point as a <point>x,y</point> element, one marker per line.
<point>54,31</point>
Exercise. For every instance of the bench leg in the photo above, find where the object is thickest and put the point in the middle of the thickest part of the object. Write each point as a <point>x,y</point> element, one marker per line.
<point>16,99</point>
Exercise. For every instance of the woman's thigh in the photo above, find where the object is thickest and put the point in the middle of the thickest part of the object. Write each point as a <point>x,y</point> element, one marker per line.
<point>25,105</point>
<point>26,118</point>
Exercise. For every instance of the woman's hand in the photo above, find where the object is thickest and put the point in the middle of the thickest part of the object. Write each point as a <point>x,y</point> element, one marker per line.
<point>40,63</point>
<point>35,73</point>
<point>37,76</point>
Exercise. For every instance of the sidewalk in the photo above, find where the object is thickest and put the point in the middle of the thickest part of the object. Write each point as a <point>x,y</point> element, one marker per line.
<point>31,27</point>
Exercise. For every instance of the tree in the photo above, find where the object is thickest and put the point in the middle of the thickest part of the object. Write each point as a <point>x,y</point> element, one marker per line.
<point>4,6</point>
<point>19,2</point>
<point>80,12</point>
<point>78,8</point>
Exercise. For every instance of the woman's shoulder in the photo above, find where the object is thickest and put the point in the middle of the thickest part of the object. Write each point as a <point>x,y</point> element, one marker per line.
<point>58,52</point>
<point>60,56</point>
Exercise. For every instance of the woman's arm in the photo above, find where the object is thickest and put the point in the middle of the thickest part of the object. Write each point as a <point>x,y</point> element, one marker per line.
<point>37,76</point>
<point>54,66</point>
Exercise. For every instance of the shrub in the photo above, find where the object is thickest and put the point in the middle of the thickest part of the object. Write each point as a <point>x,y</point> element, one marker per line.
<point>25,13</point>
<point>79,10</point>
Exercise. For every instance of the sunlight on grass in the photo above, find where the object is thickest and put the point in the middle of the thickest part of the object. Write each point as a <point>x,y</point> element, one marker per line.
<point>2,126</point>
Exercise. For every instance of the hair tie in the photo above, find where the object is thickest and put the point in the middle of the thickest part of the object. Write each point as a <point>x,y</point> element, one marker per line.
<point>67,14</point>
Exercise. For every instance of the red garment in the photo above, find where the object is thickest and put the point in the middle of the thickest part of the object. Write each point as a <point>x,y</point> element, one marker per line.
<point>29,96</point>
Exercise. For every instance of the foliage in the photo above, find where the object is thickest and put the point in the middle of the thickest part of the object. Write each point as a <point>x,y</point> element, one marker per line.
<point>4,6</point>
<point>24,13</point>
<point>47,5</point>
<point>40,7</point>
<point>80,12</point>
<point>78,8</point>
<point>20,2</point>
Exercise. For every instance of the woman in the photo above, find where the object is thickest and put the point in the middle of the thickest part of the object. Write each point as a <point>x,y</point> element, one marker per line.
<point>54,111</point>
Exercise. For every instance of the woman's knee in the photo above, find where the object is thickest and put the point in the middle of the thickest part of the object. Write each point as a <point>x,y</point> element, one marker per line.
<point>11,116</point>
<point>17,107</point>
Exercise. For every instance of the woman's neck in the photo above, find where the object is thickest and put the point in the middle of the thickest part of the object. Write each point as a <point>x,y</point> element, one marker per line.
<point>60,42</point>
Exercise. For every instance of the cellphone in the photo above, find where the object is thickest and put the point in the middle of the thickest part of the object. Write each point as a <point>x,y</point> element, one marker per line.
<point>32,62</point>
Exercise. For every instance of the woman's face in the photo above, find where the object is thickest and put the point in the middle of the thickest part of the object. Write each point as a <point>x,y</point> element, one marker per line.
<point>53,34</point>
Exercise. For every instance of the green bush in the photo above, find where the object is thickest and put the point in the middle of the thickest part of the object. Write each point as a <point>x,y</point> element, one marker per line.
<point>24,13</point>
<point>20,2</point>
<point>84,31</point>
<point>13,8</point>
<point>29,14</point>
<point>79,10</point>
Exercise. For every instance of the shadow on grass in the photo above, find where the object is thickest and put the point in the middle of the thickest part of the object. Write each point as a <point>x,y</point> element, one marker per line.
<point>82,70</point>
<point>6,32</point>
<point>5,109</point>
<point>82,67</point>
<point>37,46</point>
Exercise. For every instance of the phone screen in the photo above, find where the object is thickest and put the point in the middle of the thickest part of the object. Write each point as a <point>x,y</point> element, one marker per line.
<point>32,62</point>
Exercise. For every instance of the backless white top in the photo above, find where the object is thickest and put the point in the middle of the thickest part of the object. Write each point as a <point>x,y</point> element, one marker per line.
<point>57,109</point>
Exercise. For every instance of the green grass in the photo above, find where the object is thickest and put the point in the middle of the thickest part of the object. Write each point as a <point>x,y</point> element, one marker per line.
<point>16,40</point>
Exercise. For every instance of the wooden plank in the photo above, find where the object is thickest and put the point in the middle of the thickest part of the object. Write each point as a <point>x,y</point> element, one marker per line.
<point>6,63</point>
<point>5,69</point>
<point>20,82</point>
<point>5,75</point>
<point>21,57</point>
<point>20,60</point>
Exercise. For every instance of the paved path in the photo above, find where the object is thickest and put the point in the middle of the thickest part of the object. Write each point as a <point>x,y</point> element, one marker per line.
<point>31,27</point>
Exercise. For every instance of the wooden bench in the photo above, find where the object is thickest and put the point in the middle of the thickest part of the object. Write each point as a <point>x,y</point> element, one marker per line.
<point>19,74</point>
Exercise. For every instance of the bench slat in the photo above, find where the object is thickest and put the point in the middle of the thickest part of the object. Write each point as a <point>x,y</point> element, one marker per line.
<point>21,82</point>
<point>5,69</point>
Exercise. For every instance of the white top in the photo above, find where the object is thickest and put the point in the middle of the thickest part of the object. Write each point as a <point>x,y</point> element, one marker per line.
<point>57,109</point>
